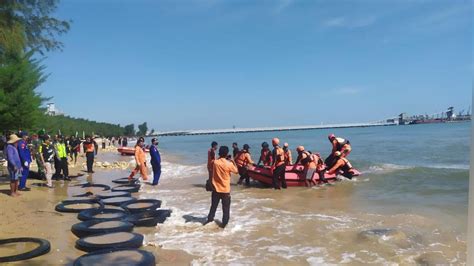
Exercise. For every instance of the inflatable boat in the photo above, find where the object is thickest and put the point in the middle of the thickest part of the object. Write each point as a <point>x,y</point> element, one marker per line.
<point>128,150</point>
<point>295,177</point>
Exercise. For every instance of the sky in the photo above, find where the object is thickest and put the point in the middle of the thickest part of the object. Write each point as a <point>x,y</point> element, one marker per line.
<point>188,64</point>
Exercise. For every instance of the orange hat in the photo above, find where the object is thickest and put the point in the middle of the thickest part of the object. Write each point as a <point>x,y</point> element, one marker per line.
<point>299,148</point>
<point>275,141</point>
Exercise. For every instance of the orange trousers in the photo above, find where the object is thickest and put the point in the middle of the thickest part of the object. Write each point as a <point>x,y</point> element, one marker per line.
<point>142,169</point>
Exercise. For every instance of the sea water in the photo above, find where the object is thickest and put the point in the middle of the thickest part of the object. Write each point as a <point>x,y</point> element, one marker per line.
<point>408,207</point>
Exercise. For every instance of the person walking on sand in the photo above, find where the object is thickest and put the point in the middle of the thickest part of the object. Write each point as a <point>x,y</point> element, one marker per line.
<point>211,157</point>
<point>89,149</point>
<point>155,161</point>
<point>47,158</point>
<point>25,157</point>
<point>278,166</point>
<point>75,148</point>
<point>140,159</point>
<point>222,169</point>
<point>14,164</point>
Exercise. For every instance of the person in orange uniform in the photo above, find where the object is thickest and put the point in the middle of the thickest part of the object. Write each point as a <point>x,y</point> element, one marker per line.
<point>265,155</point>
<point>341,164</point>
<point>243,160</point>
<point>279,165</point>
<point>338,145</point>
<point>221,171</point>
<point>288,159</point>
<point>211,156</point>
<point>140,159</point>
<point>89,149</point>
<point>312,163</point>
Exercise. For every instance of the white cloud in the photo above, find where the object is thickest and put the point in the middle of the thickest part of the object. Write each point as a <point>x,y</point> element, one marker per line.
<point>350,23</point>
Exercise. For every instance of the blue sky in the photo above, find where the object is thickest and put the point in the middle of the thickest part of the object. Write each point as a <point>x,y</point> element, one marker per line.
<point>214,64</point>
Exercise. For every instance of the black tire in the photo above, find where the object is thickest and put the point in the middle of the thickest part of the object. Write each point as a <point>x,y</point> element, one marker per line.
<point>84,229</point>
<point>86,244</point>
<point>125,180</point>
<point>105,187</point>
<point>79,200</point>
<point>128,188</point>
<point>62,207</point>
<point>43,248</point>
<point>87,194</point>
<point>149,218</point>
<point>154,204</point>
<point>117,201</point>
<point>94,213</point>
<point>101,258</point>
<point>112,194</point>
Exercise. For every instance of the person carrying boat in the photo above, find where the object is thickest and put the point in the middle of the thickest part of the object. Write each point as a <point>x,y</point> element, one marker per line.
<point>342,164</point>
<point>288,159</point>
<point>140,159</point>
<point>265,155</point>
<point>243,160</point>
<point>312,163</point>
<point>222,169</point>
<point>211,157</point>
<point>278,166</point>
<point>338,145</point>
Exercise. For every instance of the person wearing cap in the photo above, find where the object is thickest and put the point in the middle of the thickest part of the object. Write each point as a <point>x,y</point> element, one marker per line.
<point>265,155</point>
<point>288,158</point>
<point>338,145</point>
<point>155,161</point>
<point>278,166</point>
<point>14,164</point>
<point>25,157</point>
<point>47,154</point>
<point>310,162</point>
<point>61,154</point>
<point>222,169</point>
<point>90,149</point>
<point>243,160</point>
<point>211,157</point>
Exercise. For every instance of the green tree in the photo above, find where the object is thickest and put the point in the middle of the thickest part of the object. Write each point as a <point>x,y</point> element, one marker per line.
<point>142,129</point>
<point>129,130</point>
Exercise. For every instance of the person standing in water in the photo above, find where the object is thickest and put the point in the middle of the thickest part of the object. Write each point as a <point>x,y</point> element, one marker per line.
<point>338,145</point>
<point>140,159</point>
<point>278,166</point>
<point>265,155</point>
<point>211,157</point>
<point>155,161</point>
<point>243,160</point>
<point>235,150</point>
<point>222,169</point>
<point>25,157</point>
<point>288,159</point>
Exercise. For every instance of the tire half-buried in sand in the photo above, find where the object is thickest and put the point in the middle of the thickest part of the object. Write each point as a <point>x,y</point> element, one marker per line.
<point>78,207</point>
<point>142,205</point>
<point>117,201</point>
<point>149,218</point>
<point>125,180</point>
<point>43,248</point>
<point>95,227</point>
<point>102,215</point>
<point>128,188</point>
<point>109,194</point>
<point>130,257</point>
<point>112,240</point>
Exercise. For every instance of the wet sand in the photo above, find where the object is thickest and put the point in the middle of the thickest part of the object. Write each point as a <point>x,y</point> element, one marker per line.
<point>32,215</point>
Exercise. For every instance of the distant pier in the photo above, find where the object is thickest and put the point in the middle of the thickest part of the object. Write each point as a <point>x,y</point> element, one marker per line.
<point>269,129</point>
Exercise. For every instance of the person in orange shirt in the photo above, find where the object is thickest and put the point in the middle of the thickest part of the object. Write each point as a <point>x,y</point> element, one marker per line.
<point>278,166</point>
<point>140,159</point>
<point>243,160</point>
<point>310,163</point>
<point>211,156</point>
<point>221,170</point>
<point>288,158</point>
<point>265,155</point>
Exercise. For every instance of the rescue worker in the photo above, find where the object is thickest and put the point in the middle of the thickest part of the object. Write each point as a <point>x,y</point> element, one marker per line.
<point>211,157</point>
<point>25,157</point>
<point>155,161</point>
<point>311,163</point>
<point>61,153</point>
<point>243,160</point>
<point>265,155</point>
<point>338,144</point>
<point>89,149</point>
<point>47,158</point>
<point>342,164</point>
<point>75,148</point>
<point>222,169</point>
<point>140,159</point>
<point>36,142</point>
<point>288,159</point>
<point>235,151</point>
<point>278,166</point>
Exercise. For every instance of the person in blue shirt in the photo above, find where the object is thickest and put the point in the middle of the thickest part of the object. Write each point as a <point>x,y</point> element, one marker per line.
<point>25,157</point>
<point>155,161</point>
<point>14,164</point>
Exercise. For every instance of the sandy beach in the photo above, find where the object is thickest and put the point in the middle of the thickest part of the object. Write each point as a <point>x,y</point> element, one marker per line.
<point>33,215</point>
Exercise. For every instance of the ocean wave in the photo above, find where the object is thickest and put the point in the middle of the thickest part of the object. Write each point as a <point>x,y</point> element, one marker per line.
<point>388,167</point>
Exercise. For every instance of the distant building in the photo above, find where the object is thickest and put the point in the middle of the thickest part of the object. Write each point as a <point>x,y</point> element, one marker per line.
<point>51,110</point>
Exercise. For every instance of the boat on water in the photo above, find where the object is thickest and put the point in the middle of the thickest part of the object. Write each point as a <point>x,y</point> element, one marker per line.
<point>128,150</point>
<point>295,177</point>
